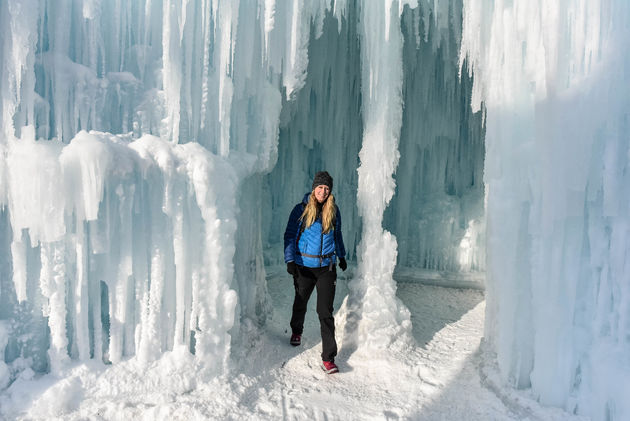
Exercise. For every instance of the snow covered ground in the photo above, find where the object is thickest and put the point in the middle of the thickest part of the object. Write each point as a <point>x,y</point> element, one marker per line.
<point>443,377</point>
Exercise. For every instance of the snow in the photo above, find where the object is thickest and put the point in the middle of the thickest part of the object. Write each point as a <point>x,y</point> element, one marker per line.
<point>438,377</point>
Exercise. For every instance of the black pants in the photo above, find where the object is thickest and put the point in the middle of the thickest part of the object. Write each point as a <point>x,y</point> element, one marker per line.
<point>325,280</point>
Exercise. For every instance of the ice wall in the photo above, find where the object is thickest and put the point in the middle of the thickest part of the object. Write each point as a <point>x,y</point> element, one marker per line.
<point>131,133</point>
<point>437,212</point>
<point>554,80</point>
<point>129,215</point>
<point>320,129</point>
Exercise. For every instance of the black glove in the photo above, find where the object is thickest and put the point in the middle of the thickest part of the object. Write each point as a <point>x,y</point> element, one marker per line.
<point>292,268</point>
<point>342,264</point>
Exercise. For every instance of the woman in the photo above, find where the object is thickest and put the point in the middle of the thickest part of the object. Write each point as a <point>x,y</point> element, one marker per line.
<point>312,244</point>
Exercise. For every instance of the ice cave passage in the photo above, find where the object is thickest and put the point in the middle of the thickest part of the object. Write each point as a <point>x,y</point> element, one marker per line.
<point>150,152</point>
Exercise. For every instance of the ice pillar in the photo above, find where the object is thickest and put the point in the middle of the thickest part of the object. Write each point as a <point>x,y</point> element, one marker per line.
<point>554,79</point>
<point>382,318</point>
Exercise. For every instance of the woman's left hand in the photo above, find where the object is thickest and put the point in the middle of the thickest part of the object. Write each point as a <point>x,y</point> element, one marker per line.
<point>342,264</point>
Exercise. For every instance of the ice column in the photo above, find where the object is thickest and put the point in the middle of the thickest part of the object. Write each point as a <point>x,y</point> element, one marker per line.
<point>554,79</point>
<point>4,369</point>
<point>17,19</point>
<point>383,319</point>
<point>291,52</point>
<point>174,16</point>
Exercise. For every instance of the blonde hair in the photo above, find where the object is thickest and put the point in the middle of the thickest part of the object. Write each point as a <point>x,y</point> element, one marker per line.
<point>328,213</point>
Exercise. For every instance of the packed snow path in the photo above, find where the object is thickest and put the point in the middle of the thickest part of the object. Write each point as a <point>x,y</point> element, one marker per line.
<point>438,379</point>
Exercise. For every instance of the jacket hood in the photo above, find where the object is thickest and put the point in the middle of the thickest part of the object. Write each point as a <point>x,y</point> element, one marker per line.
<point>306,196</point>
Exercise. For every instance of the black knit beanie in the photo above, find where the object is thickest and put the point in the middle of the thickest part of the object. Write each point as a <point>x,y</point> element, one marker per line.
<point>322,178</point>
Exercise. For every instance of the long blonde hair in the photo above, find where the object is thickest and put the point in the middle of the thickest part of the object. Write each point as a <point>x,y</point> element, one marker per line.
<point>328,213</point>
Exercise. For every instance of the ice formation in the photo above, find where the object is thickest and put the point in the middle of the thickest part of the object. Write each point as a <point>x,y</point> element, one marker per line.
<point>127,132</point>
<point>381,66</point>
<point>136,139</point>
<point>151,152</point>
<point>553,77</point>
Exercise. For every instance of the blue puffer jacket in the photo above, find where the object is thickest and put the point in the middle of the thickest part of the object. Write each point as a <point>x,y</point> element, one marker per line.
<point>314,249</point>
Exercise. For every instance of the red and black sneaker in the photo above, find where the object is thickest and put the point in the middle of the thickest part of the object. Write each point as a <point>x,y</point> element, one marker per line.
<point>329,367</point>
<point>296,339</point>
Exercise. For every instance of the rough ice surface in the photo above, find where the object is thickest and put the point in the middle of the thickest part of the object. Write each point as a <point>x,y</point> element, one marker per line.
<point>127,131</point>
<point>437,210</point>
<point>553,78</point>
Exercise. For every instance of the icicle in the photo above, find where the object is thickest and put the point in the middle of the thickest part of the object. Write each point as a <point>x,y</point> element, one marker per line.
<point>5,374</point>
<point>150,343</point>
<point>226,19</point>
<point>182,282</point>
<point>18,254</point>
<point>119,295</point>
<point>53,285</point>
<point>171,45</point>
<point>19,40</point>
<point>81,317</point>
<point>206,20</point>
<point>269,20</point>
<point>152,330</point>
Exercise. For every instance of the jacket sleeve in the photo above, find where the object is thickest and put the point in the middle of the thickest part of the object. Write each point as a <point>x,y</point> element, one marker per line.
<point>290,233</point>
<point>339,247</point>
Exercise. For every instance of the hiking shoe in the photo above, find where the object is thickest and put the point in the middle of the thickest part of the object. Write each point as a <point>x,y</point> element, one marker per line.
<point>329,367</point>
<point>296,339</point>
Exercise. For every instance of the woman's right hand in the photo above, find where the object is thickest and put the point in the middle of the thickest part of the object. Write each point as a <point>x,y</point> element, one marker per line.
<point>292,268</point>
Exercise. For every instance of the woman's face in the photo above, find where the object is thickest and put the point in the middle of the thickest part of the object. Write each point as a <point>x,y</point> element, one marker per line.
<point>321,193</point>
